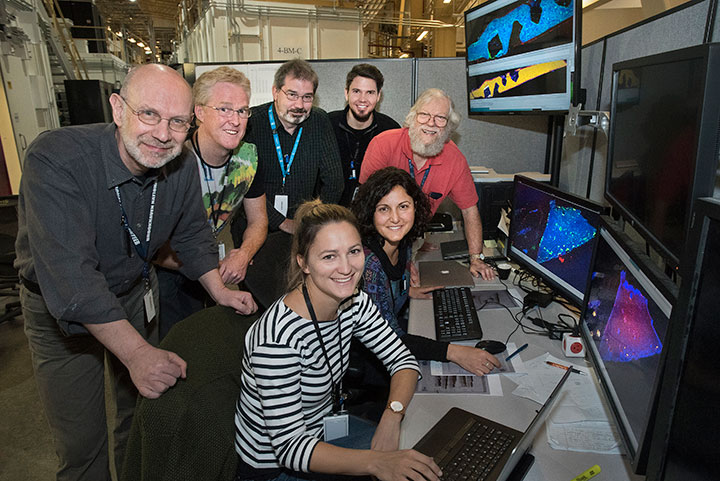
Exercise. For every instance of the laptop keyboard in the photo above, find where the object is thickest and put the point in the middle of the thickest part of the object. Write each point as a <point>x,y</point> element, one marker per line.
<point>455,315</point>
<point>473,452</point>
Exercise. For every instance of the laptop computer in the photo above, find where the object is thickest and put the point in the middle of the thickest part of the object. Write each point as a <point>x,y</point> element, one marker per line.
<point>468,446</point>
<point>445,273</point>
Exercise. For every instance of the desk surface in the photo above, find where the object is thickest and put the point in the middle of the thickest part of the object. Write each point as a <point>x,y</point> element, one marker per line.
<point>426,409</point>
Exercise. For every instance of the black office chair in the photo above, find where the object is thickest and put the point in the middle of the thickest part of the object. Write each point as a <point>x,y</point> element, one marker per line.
<point>188,433</point>
<point>266,277</point>
<point>9,280</point>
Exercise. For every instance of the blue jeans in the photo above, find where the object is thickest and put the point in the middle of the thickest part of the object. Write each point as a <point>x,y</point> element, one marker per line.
<point>361,433</point>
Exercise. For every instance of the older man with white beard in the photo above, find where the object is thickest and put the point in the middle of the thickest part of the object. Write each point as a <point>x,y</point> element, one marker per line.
<point>424,149</point>
<point>96,203</point>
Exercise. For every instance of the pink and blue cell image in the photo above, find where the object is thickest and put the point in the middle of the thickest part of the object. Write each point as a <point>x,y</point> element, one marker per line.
<point>629,332</point>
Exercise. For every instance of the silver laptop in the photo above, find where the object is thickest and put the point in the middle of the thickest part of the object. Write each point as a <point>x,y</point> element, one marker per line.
<point>468,446</point>
<point>445,273</point>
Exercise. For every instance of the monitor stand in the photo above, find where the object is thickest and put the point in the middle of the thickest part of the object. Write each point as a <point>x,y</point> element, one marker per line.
<point>522,467</point>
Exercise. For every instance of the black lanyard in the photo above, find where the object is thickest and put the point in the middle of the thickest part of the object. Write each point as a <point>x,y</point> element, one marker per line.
<point>337,398</point>
<point>214,213</point>
<point>142,250</point>
<point>353,173</point>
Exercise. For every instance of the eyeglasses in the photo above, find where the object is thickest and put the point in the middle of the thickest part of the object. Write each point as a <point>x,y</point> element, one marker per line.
<point>150,117</point>
<point>293,96</point>
<point>226,112</point>
<point>424,117</point>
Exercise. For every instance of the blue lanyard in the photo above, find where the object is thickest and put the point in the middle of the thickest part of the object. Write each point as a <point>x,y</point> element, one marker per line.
<point>141,249</point>
<point>285,170</point>
<point>412,173</point>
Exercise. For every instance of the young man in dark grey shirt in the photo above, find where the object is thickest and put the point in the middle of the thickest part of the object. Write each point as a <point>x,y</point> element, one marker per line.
<point>357,124</point>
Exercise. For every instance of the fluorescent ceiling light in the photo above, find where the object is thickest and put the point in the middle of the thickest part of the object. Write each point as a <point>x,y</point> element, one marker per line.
<point>422,35</point>
<point>446,1</point>
<point>405,55</point>
<point>140,44</point>
<point>131,40</point>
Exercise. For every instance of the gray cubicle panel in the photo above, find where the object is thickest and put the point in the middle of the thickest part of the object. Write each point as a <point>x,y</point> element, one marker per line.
<point>678,28</point>
<point>397,94</point>
<point>506,143</point>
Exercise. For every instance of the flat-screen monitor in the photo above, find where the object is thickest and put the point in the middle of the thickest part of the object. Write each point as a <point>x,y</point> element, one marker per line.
<point>624,324</point>
<point>664,137</point>
<point>552,234</point>
<point>687,436</point>
<point>521,55</point>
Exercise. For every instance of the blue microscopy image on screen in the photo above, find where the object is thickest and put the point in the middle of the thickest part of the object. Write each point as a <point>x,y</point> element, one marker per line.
<point>521,25</point>
<point>566,229</point>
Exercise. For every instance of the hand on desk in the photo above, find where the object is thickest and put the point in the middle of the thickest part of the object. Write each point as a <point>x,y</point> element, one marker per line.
<point>404,465</point>
<point>423,292</point>
<point>476,361</point>
<point>479,268</point>
<point>429,247</point>
<point>414,275</point>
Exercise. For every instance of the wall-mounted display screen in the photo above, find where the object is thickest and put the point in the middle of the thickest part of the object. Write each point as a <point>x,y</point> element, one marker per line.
<point>520,56</point>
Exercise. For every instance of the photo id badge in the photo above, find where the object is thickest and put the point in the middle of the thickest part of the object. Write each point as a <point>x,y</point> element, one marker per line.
<point>221,250</point>
<point>281,204</point>
<point>149,302</point>
<point>336,426</point>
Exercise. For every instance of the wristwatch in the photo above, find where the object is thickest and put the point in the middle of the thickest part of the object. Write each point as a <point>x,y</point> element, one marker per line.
<point>477,257</point>
<point>396,407</point>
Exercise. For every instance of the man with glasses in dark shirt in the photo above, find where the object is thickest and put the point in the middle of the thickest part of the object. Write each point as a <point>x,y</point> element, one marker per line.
<point>96,203</point>
<point>297,146</point>
<point>424,149</point>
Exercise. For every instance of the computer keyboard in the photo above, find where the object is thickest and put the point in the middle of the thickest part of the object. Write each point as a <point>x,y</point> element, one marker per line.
<point>455,315</point>
<point>474,451</point>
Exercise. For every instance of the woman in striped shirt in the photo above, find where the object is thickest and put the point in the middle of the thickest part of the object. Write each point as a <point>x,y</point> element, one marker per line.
<point>297,353</point>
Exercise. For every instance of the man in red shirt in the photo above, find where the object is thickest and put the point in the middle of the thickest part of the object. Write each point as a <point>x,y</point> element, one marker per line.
<point>424,149</point>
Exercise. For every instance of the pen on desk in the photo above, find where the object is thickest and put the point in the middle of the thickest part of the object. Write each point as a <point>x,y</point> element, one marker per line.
<point>516,352</point>
<point>554,364</point>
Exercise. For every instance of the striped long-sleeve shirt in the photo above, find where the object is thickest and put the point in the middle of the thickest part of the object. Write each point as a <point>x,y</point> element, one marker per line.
<point>286,386</point>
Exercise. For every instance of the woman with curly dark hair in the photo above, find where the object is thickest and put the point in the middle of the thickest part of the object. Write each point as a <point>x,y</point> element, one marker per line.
<point>392,212</point>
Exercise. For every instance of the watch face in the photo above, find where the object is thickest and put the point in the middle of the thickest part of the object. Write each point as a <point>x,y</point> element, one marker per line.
<point>396,406</point>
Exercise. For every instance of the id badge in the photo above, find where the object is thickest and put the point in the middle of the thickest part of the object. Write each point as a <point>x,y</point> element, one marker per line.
<point>281,204</point>
<point>336,426</point>
<point>221,250</point>
<point>149,303</point>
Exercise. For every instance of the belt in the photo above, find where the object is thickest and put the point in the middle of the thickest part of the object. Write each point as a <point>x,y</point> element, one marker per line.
<point>34,287</point>
<point>31,286</point>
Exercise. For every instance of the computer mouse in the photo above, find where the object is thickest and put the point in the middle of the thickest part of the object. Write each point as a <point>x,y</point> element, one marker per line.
<point>493,347</point>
